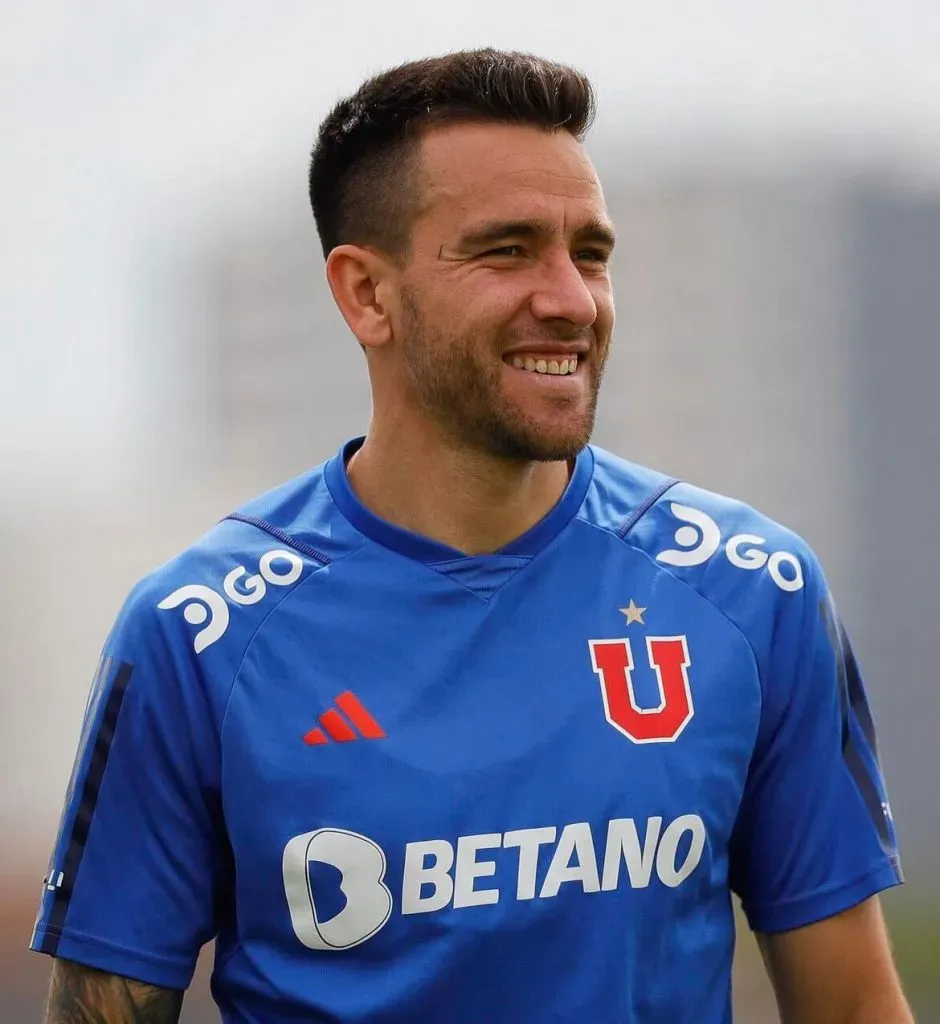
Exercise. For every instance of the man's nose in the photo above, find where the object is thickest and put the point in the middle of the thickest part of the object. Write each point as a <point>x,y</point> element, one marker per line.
<point>563,294</point>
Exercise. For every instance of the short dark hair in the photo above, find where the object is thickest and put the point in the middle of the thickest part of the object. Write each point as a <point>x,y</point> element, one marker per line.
<point>363,187</point>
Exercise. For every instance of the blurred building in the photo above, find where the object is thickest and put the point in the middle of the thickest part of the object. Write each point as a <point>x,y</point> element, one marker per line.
<point>285,380</point>
<point>894,312</point>
<point>731,347</point>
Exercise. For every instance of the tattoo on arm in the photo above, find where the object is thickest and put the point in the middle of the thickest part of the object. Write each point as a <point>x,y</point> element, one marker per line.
<point>83,995</point>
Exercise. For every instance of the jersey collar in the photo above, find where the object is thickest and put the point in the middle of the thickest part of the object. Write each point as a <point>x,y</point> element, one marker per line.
<point>423,549</point>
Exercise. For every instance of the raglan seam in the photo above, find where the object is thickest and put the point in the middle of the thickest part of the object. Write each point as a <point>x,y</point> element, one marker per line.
<point>761,692</point>
<point>251,639</point>
<point>890,862</point>
<point>263,622</point>
<point>202,677</point>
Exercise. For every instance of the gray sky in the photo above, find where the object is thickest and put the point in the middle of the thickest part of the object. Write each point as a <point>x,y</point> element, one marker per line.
<point>125,126</point>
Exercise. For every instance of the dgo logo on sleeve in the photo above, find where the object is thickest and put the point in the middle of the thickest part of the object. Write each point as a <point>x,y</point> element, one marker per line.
<point>700,539</point>
<point>203,606</point>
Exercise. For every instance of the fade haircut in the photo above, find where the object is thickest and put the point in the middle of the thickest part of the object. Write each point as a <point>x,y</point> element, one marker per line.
<point>364,181</point>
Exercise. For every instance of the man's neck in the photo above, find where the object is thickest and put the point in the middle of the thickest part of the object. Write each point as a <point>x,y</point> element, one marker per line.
<point>468,500</point>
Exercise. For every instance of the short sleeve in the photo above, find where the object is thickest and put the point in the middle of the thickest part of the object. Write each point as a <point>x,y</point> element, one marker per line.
<point>814,834</point>
<point>140,858</point>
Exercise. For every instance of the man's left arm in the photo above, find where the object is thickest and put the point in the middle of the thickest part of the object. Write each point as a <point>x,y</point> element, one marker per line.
<point>836,971</point>
<point>814,842</point>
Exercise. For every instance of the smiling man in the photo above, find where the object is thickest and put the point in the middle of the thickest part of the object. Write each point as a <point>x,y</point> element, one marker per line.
<point>475,721</point>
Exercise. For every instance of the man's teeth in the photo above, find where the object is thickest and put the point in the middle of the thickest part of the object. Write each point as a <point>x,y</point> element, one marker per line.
<point>552,366</point>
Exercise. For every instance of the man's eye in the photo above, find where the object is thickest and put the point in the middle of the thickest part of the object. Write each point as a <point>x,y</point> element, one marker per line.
<point>504,250</point>
<point>593,255</point>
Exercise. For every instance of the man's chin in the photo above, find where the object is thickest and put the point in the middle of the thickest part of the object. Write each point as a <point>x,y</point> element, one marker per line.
<point>535,445</point>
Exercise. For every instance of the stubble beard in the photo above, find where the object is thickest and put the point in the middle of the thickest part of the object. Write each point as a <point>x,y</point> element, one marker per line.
<point>460,390</point>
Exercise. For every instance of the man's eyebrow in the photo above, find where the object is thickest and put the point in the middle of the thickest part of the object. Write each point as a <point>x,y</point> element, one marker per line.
<point>597,231</point>
<point>498,231</point>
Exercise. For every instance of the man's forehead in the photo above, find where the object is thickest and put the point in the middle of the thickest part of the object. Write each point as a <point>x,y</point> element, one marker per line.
<point>493,164</point>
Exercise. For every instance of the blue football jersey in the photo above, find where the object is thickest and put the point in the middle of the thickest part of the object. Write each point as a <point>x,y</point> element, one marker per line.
<point>396,783</point>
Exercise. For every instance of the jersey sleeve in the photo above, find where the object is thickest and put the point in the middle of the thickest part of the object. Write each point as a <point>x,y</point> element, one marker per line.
<point>814,834</point>
<point>140,857</point>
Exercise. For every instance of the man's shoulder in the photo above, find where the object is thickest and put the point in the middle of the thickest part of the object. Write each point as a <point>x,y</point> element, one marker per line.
<point>621,492</point>
<point>700,536</point>
<point>225,582</point>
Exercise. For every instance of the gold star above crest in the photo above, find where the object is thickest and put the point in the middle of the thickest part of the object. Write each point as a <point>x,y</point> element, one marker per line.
<point>633,613</point>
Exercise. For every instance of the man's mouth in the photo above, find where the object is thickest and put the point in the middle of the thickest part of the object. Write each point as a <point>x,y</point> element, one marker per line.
<point>551,365</point>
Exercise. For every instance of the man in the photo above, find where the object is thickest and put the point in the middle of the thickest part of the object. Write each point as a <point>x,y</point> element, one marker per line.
<point>474,722</point>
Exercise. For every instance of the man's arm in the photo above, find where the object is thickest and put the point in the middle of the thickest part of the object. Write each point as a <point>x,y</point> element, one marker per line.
<point>836,971</point>
<point>83,995</point>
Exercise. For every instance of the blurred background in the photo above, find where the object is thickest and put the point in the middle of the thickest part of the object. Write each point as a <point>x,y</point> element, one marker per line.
<point>168,346</point>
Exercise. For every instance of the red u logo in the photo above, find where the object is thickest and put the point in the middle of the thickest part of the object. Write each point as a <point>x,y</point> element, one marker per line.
<point>669,658</point>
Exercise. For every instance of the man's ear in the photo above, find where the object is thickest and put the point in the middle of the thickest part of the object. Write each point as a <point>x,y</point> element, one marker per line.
<point>359,279</point>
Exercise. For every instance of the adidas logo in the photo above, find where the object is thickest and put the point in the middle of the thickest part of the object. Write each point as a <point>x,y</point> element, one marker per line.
<point>333,726</point>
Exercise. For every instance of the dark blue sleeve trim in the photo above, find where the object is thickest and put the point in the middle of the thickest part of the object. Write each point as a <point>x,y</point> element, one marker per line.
<point>64,877</point>
<point>855,707</point>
